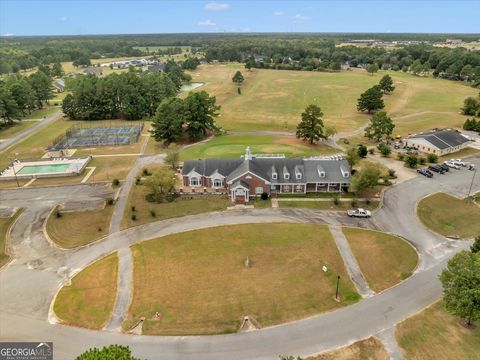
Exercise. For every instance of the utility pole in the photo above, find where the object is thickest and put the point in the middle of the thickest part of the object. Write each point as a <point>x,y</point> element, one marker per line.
<point>471,184</point>
<point>338,282</point>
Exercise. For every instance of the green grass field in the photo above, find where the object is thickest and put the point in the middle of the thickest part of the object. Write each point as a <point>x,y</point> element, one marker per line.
<point>384,259</point>
<point>89,300</point>
<point>328,205</point>
<point>436,213</point>
<point>234,146</point>
<point>14,129</point>
<point>434,334</point>
<point>274,100</point>
<point>199,284</point>
<point>5,223</point>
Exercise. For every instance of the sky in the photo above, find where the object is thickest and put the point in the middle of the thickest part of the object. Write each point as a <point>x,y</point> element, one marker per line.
<point>73,17</point>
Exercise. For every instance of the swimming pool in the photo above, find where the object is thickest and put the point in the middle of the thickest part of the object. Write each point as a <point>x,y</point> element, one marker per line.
<point>42,169</point>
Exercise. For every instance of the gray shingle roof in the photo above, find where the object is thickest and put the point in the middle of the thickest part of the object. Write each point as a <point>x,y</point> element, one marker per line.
<point>442,139</point>
<point>264,167</point>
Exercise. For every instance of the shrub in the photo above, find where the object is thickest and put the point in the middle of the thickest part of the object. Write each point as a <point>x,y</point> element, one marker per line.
<point>134,217</point>
<point>154,198</point>
<point>58,214</point>
<point>336,199</point>
<point>354,202</point>
<point>385,150</point>
<point>170,197</point>
<point>239,91</point>
<point>371,151</point>
<point>400,156</point>
<point>99,229</point>
<point>134,208</point>
<point>264,196</point>
<point>153,213</point>
<point>432,158</point>
<point>391,173</point>
<point>387,182</point>
<point>368,201</point>
<point>115,182</point>
<point>411,161</point>
<point>109,201</point>
<point>145,172</point>
<point>362,151</point>
<point>422,161</point>
<point>137,181</point>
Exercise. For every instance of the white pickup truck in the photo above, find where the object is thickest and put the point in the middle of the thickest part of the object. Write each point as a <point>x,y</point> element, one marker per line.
<point>362,213</point>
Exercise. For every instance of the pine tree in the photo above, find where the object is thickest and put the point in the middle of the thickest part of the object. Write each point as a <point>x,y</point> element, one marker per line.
<point>311,126</point>
<point>371,100</point>
<point>386,84</point>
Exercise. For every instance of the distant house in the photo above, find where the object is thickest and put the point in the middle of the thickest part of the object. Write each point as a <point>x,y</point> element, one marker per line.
<point>96,71</point>
<point>345,66</point>
<point>438,142</point>
<point>154,68</point>
<point>59,85</point>
<point>261,58</point>
<point>253,175</point>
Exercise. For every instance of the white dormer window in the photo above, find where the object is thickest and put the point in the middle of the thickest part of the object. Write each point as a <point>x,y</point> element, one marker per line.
<point>298,176</point>
<point>286,176</point>
<point>217,183</point>
<point>345,172</point>
<point>194,181</point>
<point>320,171</point>
<point>274,176</point>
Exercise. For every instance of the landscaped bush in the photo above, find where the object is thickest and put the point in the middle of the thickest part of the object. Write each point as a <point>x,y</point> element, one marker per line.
<point>154,198</point>
<point>137,181</point>
<point>109,201</point>
<point>411,161</point>
<point>145,172</point>
<point>422,160</point>
<point>58,214</point>
<point>134,217</point>
<point>115,182</point>
<point>153,213</point>
<point>336,199</point>
<point>133,208</point>
<point>432,158</point>
<point>264,196</point>
<point>400,156</point>
<point>371,151</point>
<point>170,197</point>
<point>391,173</point>
<point>385,150</point>
<point>362,151</point>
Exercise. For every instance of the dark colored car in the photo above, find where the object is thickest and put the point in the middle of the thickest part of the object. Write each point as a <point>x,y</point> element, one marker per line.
<point>437,169</point>
<point>425,172</point>
<point>444,167</point>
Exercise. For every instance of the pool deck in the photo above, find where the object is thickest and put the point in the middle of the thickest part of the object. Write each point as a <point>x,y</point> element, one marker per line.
<point>14,170</point>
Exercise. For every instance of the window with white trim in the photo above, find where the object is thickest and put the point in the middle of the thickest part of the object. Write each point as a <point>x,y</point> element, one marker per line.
<point>259,190</point>
<point>194,181</point>
<point>217,183</point>
<point>286,176</point>
<point>299,176</point>
<point>274,176</point>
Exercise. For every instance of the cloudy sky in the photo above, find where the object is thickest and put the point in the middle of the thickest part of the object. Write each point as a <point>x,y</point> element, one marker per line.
<point>67,17</point>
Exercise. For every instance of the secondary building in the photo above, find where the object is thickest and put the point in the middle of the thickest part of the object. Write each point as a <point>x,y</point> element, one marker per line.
<point>252,175</point>
<point>438,142</point>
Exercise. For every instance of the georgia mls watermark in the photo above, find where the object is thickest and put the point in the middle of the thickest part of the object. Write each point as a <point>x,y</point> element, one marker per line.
<point>26,351</point>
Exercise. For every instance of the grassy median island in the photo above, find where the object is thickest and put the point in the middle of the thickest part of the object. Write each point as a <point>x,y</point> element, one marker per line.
<point>368,349</point>
<point>199,283</point>
<point>384,259</point>
<point>449,216</point>
<point>89,300</point>
<point>71,229</point>
<point>329,205</point>
<point>5,223</point>
<point>435,334</point>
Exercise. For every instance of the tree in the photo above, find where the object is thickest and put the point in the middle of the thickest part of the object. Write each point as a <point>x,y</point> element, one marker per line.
<point>201,110</point>
<point>461,286</point>
<point>385,150</point>
<point>432,158</point>
<point>330,131</point>
<point>371,100</point>
<point>173,155</point>
<point>352,156</point>
<point>57,70</point>
<point>471,106</point>
<point>471,125</point>
<point>411,161</point>
<point>8,106</point>
<point>238,78</point>
<point>168,120</point>
<point>118,352</point>
<point>362,151</point>
<point>311,126</point>
<point>381,127</point>
<point>160,183</point>
<point>42,87</point>
<point>386,84</point>
<point>475,248</point>
<point>365,179</point>
<point>417,67</point>
<point>372,68</point>
<point>23,94</point>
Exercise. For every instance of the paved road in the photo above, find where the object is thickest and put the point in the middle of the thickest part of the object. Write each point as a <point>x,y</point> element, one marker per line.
<point>38,270</point>
<point>30,131</point>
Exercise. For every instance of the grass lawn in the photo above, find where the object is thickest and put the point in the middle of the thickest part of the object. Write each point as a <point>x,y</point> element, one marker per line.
<point>226,146</point>
<point>384,259</point>
<point>435,334</point>
<point>261,204</point>
<point>180,207</point>
<point>89,300</point>
<point>77,228</point>
<point>14,129</point>
<point>42,113</point>
<point>329,205</point>
<point>199,284</point>
<point>5,223</point>
<point>368,349</point>
<point>273,99</point>
<point>436,213</point>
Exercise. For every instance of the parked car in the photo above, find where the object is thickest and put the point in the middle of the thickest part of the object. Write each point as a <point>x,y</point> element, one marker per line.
<point>459,162</point>
<point>437,169</point>
<point>361,213</point>
<point>452,165</point>
<point>444,167</point>
<point>471,167</point>
<point>425,172</point>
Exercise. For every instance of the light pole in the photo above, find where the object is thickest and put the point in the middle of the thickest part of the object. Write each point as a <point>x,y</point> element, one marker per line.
<point>338,282</point>
<point>14,172</point>
<point>471,184</point>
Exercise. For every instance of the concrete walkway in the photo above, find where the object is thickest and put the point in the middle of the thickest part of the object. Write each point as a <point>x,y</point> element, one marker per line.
<point>387,337</point>
<point>350,262</point>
